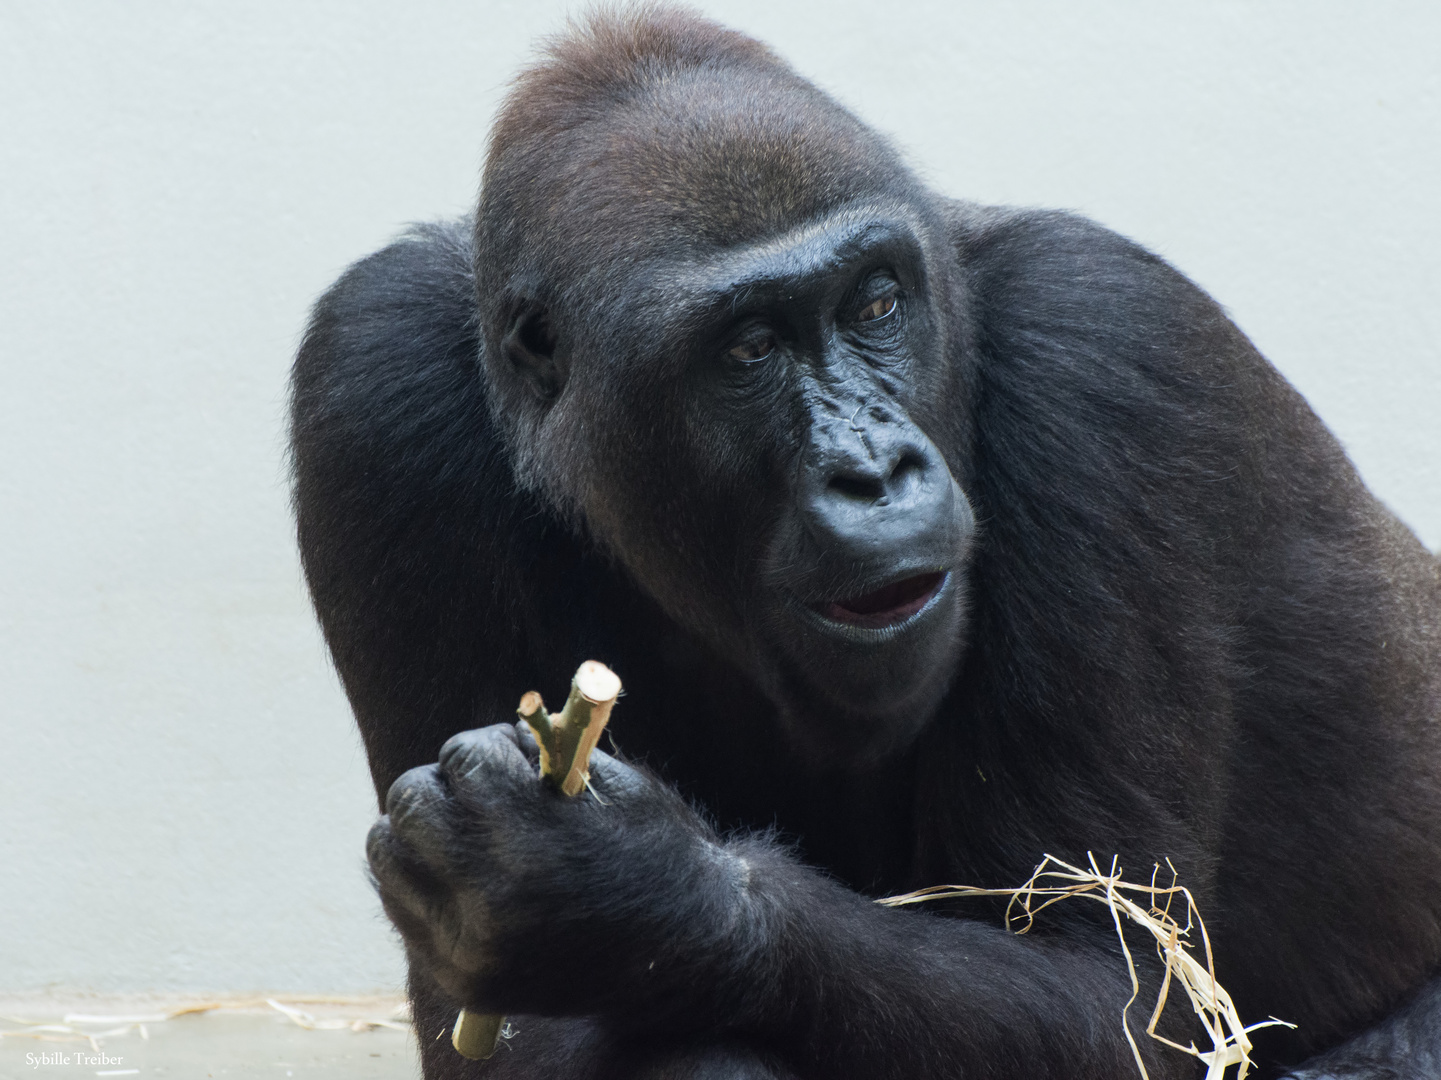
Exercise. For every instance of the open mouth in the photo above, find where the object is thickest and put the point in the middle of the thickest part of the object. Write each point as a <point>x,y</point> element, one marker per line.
<point>887,605</point>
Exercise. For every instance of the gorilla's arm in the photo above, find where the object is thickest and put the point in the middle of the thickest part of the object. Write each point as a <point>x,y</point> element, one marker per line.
<point>624,906</point>
<point>426,566</point>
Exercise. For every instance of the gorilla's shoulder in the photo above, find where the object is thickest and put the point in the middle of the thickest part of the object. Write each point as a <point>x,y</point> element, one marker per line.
<point>409,307</point>
<point>1056,274</point>
<point>1099,362</point>
<point>389,422</point>
<point>390,359</point>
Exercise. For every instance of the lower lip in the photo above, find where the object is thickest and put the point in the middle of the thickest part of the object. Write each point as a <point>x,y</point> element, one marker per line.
<point>904,599</point>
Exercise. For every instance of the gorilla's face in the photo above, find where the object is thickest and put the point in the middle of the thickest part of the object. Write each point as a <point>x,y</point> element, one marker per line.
<point>826,341</point>
<point>719,321</point>
<point>754,432</point>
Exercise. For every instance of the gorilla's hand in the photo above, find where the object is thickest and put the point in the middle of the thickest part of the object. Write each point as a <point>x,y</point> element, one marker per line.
<point>522,900</point>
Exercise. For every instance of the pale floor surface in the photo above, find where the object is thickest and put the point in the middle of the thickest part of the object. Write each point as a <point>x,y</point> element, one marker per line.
<point>234,1045</point>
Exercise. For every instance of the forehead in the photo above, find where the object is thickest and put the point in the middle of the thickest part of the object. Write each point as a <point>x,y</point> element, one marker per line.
<point>724,159</point>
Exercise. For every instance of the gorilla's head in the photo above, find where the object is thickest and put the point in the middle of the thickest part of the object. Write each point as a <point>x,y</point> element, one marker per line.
<point>724,334</point>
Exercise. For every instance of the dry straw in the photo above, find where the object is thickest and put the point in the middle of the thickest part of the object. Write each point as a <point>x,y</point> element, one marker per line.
<point>80,1027</point>
<point>1149,907</point>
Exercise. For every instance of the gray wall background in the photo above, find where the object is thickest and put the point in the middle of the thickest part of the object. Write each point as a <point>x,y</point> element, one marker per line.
<point>183,799</point>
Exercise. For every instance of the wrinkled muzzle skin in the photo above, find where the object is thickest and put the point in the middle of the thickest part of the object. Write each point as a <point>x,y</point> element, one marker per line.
<point>878,517</point>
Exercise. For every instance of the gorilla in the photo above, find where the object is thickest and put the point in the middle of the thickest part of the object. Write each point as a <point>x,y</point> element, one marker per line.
<point>928,538</point>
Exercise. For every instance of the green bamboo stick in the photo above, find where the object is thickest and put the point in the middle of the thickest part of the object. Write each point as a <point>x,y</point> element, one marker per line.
<point>566,740</point>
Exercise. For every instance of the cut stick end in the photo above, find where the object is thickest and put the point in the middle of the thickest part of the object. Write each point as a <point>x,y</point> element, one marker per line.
<point>596,682</point>
<point>530,704</point>
<point>476,1035</point>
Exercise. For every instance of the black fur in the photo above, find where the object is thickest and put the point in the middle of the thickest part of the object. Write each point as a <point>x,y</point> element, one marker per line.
<point>1175,626</point>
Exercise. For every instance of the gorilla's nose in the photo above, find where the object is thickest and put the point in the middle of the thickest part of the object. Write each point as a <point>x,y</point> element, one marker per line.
<point>877,481</point>
<point>880,494</point>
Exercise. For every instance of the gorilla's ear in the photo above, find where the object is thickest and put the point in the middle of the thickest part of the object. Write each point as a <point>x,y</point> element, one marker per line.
<point>530,343</point>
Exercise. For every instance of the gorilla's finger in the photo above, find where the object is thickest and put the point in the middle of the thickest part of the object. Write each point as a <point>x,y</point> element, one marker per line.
<point>417,806</point>
<point>486,757</point>
<point>401,885</point>
<point>611,776</point>
<point>424,911</point>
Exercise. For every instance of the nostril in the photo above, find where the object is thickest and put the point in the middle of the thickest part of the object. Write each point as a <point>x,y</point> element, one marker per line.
<point>872,487</point>
<point>910,464</point>
<point>868,488</point>
<point>909,469</point>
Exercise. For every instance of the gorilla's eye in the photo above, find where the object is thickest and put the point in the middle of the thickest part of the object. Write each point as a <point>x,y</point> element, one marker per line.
<point>879,308</point>
<point>754,350</point>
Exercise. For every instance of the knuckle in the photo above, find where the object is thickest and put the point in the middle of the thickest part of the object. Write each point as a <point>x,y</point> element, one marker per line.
<point>489,752</point>
<point>416,796</point>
